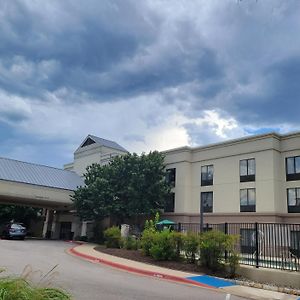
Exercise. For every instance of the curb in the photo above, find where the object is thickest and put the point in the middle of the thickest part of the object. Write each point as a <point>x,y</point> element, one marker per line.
<point>267,287</point>
<point>136,270</point>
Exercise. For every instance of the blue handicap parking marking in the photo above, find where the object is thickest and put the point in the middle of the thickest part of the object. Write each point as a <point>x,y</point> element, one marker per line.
<point>212,281</point>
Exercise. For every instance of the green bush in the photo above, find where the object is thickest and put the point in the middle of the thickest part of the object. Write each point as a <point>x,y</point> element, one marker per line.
<point>213,245</point>
<point>112,237</point>
<point>151,224</point>
<point>20,289</point>
<point>233,262</point>
<point>191,246</point>
<point>147,240</point>
<point>131,243</point>
<point>164,245</point>
<point>178,239</point>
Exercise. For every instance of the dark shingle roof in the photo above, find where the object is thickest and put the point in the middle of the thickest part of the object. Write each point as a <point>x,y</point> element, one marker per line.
<point>19,171</point>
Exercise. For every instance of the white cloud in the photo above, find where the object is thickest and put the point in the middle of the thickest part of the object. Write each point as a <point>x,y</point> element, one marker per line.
<point>160,76</point>
<point>13,108</point>
<point>161,125</point>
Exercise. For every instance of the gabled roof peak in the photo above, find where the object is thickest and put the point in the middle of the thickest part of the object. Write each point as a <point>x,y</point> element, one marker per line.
<point>92,139</point>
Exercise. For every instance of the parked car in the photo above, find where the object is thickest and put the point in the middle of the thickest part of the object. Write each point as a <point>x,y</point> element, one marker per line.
<point>14,230</point>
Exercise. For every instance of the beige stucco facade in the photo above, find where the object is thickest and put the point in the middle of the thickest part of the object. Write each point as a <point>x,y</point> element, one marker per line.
<point>269,151</point>
<point>88,155</point>
<point>270,184</point>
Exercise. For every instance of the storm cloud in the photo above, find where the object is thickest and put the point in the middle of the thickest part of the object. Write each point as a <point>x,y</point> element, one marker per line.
<point>148,74</point>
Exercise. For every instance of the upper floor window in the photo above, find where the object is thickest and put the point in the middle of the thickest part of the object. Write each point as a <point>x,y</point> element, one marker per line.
<point>247,200</point>
<point>293,168</point>
<point>171,176</point>
<point>293,200</point>
<point>207,175</point>
<point>207,202</point>
<point>170,203</point>
<point>247,170</point>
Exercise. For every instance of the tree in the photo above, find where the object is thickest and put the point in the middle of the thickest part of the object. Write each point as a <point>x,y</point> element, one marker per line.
<point>130,185</point>
<point>22,214</point>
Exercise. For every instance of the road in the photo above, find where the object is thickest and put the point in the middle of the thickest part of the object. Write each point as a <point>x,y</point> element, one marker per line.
<point>88,281</point>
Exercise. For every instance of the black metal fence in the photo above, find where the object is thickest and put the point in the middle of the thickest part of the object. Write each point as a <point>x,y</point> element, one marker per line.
<point>268,245</point>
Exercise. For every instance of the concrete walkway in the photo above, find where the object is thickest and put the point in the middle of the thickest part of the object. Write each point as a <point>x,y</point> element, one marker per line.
<point>87,252</point>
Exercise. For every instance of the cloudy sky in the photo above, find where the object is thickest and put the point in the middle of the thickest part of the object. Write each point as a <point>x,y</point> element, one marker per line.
<point>151,74</point>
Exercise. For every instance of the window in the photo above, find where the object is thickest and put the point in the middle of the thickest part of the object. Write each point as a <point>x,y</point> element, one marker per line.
<point>292,168</point>
<point>170,203</point>
<point>207,201</point>
<point>247,200</point>
<point>207,175</point>
<point>171,176</point>
<point>293,196</point>
<point>247,170</point>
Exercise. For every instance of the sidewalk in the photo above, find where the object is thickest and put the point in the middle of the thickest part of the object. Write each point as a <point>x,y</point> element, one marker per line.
<point>87,252</point>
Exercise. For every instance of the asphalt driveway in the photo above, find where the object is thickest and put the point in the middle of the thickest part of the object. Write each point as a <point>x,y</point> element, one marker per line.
<point>85,280</point>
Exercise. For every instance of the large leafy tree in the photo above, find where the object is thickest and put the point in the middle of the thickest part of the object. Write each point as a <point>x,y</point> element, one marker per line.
<point>130,185</point>
<point>23,214</point>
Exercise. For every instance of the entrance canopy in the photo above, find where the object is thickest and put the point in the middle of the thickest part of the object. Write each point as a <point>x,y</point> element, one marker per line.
<point>36,185</point>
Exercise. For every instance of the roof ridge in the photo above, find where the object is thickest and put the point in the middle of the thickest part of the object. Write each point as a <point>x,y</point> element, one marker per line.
<point>98,137</point>
<point>98,141</point>
<point>230,141</point>
<point>35,164</point>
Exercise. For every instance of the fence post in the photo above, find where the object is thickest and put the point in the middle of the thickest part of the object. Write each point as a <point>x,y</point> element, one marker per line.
<point>256,246</point>
<point>178,241</point>
<point>226,232</point>
<point>179,227</point>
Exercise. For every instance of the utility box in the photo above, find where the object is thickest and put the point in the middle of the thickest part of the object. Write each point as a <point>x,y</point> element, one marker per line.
<point>125,230</point>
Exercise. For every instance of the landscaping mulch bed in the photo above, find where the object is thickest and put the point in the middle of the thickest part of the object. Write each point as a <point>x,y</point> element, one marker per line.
<point>137,255</point>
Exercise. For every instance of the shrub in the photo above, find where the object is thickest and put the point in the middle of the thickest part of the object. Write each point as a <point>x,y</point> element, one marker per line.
<point>20,289</point>
<point>233,262</point>
<point>112,237</point>
<point>148,234</point>
<point>147,240</point>
<point>213,245</point>
<point>151,224</point>
<point>178,239</point>
<point>131,243</point>
<point>164,245</point>
<point>191,246</point>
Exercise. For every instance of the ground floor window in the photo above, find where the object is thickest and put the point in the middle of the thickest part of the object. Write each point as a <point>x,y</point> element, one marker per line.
<point>207,201</point>
<point>170,203</point>
<point>293,196</point>
<point>247,200</point>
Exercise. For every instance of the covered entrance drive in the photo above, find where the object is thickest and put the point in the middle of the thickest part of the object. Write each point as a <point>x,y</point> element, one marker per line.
<point>45,187</point>
<point>66,231</point>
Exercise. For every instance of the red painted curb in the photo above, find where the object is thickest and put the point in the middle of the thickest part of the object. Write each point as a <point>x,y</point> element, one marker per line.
<point>137,271</point>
